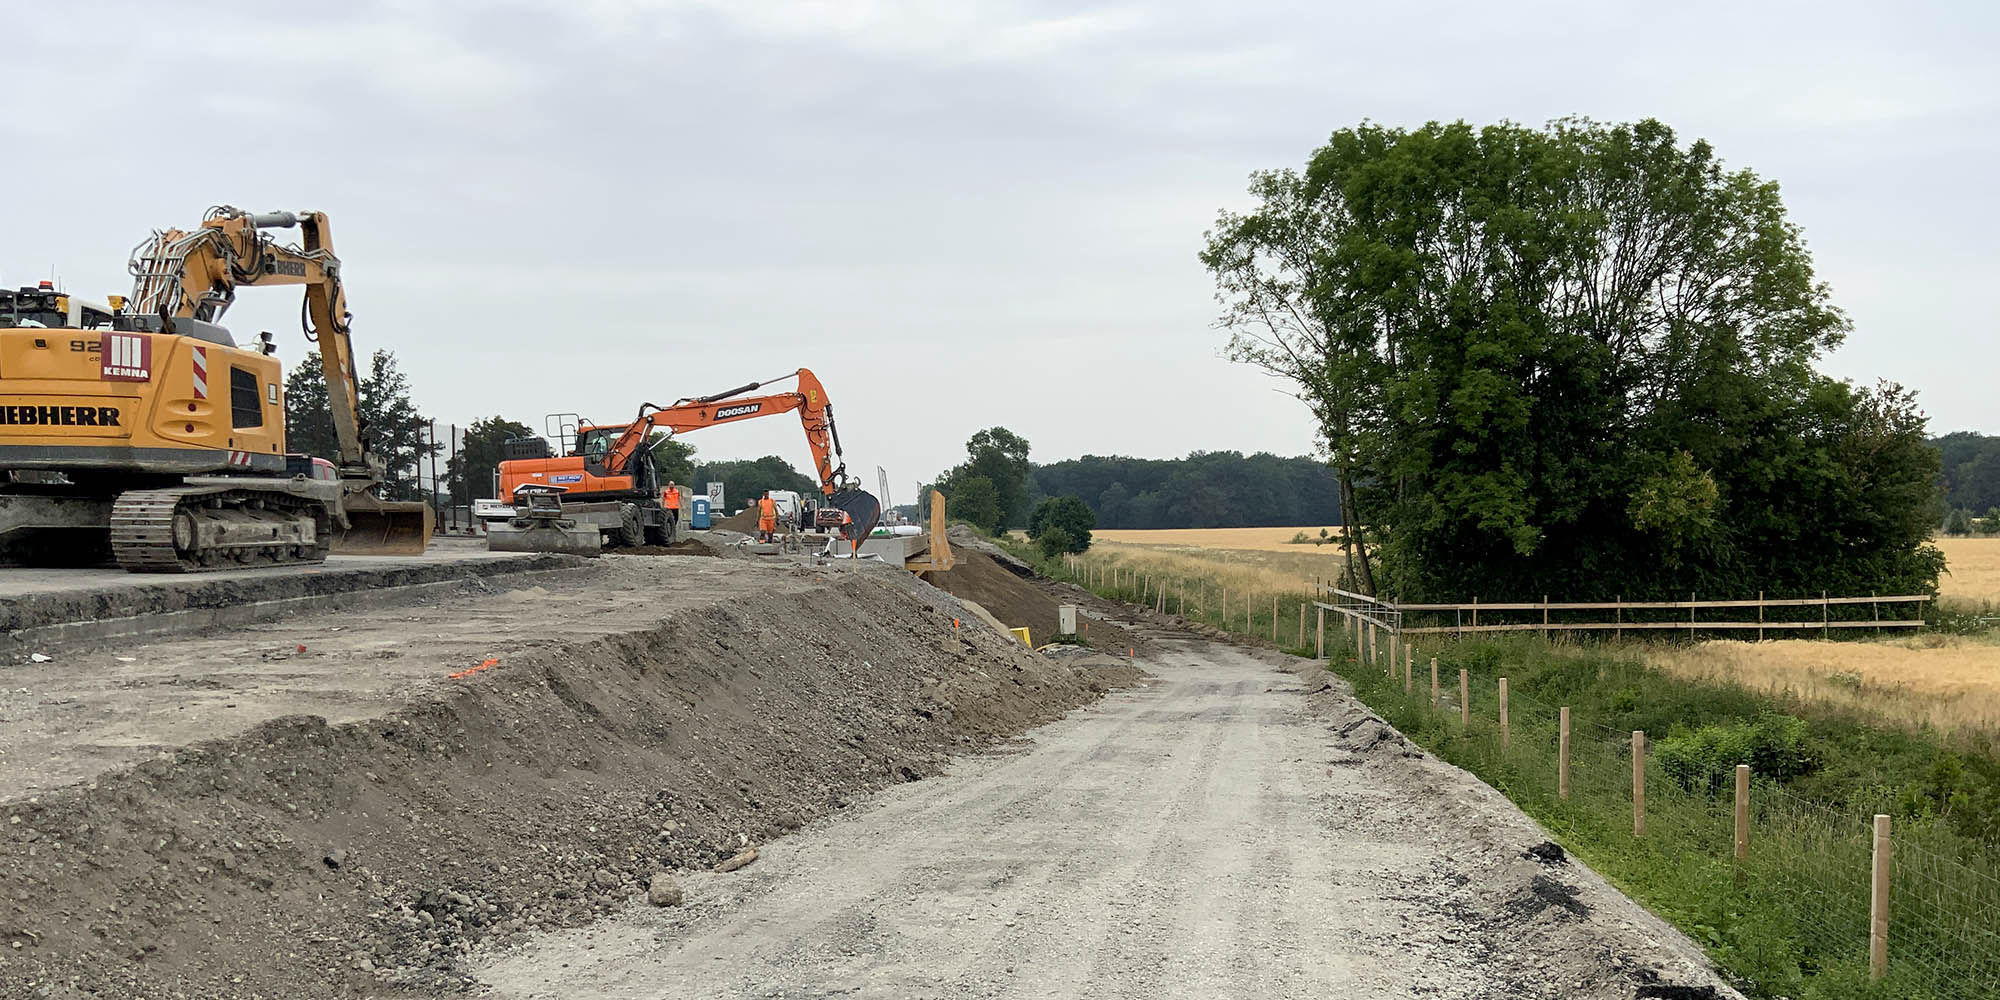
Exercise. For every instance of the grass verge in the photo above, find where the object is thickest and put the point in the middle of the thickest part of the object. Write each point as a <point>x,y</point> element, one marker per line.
<point>1792,919</point>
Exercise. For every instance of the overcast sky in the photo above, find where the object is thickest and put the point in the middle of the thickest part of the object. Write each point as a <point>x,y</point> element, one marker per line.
<point>958,214</point>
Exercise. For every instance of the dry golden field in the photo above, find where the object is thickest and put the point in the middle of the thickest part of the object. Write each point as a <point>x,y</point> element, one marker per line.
<point>1947,682</point>
<point>1242,539</point>
<point>1973,570</point>
<point>1245,560</point>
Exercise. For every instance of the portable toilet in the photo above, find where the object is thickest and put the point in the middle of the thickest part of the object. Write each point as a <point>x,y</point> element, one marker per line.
<point>698,515</point>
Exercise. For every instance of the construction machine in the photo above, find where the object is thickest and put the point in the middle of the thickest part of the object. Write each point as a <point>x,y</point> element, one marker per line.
<point>141,427</point>
<point>608,477</point>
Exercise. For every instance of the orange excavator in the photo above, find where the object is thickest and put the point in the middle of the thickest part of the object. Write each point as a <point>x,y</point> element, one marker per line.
<point>608,479</point>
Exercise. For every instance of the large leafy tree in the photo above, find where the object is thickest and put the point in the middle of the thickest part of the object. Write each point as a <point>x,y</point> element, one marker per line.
<point>1062,524</point>
<point>1576,361</point>
<point>470,472</point>
<point>973,498</point>
<point>1000,457</point>
<point>392,426</point>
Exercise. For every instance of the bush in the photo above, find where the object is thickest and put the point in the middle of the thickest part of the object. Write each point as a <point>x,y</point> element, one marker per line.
<point>1067,515</point>
<point>1705,759</point>
<point>1055,541</point>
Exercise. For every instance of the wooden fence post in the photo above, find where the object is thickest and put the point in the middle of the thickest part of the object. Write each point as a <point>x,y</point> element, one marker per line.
<point>1690,616</point>
<point>1742,812</point>
<point>1475,611</point>
<point>1408,656</point>
<point>1503,713</point>
<point>1825,617</point>
<point>1464,697</point>
<point>1545,617</point>
<point>1360,652</point>
<point>1760,616</point>
<point>1302,625</point>
<point>1618,609</point>
<point>1437,700</point>
<point>1562,752</point>
<point>1878,902</point>
<point>1408,674</point>
<point>1638,782</point>
<point>1393,640</point>
<point>1319,636</point>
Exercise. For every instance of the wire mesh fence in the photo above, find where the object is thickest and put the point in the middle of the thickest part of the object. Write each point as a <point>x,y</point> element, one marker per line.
<point>1803,877</point>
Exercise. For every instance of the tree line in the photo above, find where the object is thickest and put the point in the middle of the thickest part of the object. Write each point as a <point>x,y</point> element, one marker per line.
<point>1969,479</point>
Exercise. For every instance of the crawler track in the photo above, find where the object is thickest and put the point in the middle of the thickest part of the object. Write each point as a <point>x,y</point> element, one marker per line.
<point>156,531</point>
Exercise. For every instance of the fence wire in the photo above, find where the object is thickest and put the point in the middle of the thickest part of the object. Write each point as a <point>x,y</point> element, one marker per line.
<point>1807,863</point>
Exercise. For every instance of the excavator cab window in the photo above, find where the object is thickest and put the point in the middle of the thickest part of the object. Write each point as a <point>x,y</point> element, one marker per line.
<point>246,409</point>
<point>595,445</point>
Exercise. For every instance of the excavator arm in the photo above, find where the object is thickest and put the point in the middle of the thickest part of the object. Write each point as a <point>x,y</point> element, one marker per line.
<point>194,276</point>
<point>815,416</point>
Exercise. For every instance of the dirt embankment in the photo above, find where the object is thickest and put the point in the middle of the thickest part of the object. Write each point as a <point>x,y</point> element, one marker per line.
<point>303,859</point>
<point>1010,591</point>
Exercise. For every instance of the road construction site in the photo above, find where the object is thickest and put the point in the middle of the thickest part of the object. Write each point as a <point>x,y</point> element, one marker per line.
<point>516,776</point>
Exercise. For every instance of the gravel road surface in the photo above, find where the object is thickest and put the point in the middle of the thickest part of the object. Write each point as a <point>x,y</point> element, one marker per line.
<point>1239,828</point>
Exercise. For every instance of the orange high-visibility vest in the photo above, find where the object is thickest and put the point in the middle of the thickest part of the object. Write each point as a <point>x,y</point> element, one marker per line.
<point>767,509</point>
<point>671,498</point>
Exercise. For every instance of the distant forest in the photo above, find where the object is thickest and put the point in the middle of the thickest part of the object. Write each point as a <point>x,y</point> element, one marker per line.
<point>1207,489</point>
<point>1971,471</point>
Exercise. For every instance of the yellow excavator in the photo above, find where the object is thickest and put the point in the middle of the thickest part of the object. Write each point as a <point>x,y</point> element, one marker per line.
<point>138,426</point>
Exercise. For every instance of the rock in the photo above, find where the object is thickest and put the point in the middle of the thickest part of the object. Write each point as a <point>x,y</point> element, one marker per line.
<point>604,879</point>
<point>663,890</point>
<point>748,855</point>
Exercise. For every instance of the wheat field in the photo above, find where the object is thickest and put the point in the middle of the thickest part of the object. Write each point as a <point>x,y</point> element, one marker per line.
<point>1972,570</point>
<point>1240,539</point>
<point>1951,683</point>
<point>1245,560</point>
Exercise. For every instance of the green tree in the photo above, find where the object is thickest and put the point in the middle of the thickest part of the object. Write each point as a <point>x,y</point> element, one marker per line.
<point>1068,515</point>
<point>1990,524</point>
<point>673,460</point>
<point>1000,457</point>
<point>1056,541</point>
<point>1958,523</point>
<point>1572,360</point>
<point>973,499</point>
<point>391,424</point>
<point>469,473</point>
<point>744,480</point>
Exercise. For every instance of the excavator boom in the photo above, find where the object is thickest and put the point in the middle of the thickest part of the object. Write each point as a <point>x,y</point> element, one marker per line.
<point>183,276</point>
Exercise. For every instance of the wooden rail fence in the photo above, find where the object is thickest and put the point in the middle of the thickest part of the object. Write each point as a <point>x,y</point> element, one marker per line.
<point>1394,617</point>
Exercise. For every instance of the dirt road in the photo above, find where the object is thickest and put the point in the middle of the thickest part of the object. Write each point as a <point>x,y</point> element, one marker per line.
<point>1229,831</point>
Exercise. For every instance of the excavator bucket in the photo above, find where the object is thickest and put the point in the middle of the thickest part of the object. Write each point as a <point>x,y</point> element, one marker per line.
<point>863,512</point>
<point>384,527</point>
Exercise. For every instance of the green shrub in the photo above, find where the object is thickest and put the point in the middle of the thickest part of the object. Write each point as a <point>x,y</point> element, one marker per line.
<point>1705,758</point>
<point>1055,541</point>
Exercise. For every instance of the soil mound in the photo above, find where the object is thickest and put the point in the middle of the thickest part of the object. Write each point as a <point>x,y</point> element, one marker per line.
<point>312,860</point>
<point>1019,601</point>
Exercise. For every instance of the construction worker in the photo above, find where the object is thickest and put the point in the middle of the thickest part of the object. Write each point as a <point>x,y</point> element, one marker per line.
<point>767,518</point>
<point>670,498</point>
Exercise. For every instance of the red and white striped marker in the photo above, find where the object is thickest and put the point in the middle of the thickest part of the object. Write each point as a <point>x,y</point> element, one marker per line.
<point>201,375</point>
